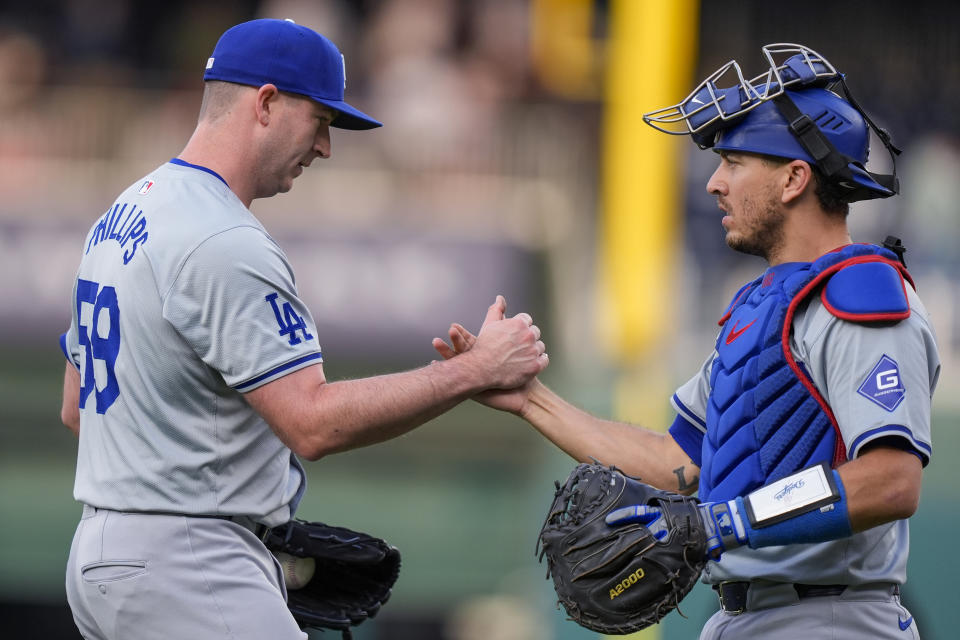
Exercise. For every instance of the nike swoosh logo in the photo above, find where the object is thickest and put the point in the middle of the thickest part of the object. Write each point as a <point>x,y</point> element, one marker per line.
<point>736,333</point>
<point>904,624</point>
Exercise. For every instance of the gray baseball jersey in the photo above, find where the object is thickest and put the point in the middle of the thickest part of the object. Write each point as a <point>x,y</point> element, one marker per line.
<point>878,381</point>
<point>182,302</point>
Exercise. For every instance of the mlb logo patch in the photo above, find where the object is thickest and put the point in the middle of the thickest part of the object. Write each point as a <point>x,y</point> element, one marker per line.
<point>883,384</point>
<point>145,187</point>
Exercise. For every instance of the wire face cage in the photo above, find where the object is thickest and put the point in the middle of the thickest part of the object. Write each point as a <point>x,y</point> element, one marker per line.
<point>710,107</point>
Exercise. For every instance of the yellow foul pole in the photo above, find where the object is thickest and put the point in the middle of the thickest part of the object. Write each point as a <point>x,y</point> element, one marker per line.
<point>650,62</point>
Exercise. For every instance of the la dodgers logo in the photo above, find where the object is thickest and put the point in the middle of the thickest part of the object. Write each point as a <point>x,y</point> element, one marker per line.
<point>787,490</point>
<point>289,321</point>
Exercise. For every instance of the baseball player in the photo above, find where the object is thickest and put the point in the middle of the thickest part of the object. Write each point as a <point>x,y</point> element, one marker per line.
<point>194,372</point>
<point>807,427</point>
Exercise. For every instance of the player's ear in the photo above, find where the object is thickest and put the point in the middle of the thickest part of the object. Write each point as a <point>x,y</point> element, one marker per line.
<point>797,175</point>
<point>267,97</point>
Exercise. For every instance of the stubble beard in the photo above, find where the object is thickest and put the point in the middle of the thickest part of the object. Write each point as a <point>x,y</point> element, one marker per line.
<point>764,228</point>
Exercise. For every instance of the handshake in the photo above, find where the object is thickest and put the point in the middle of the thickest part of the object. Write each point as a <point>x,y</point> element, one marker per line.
<point>508,353</point>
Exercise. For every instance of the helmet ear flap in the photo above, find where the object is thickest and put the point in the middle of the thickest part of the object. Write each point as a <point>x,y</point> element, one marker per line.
<point>846,173</point>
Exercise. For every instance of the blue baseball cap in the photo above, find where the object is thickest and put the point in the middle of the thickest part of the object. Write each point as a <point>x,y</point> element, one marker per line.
<point>294,58</point>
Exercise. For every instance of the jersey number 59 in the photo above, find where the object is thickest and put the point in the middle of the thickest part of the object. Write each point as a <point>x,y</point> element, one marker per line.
<point>100,342</point>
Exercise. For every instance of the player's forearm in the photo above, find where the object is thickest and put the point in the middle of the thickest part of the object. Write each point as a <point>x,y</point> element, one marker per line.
<point>355,413</point>
<point>70,407</point>
<point>815,504</point>
<point>637,451</point>
<point>882,485</point>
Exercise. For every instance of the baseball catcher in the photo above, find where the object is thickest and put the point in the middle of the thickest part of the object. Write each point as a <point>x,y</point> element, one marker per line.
<point>620,579</point>
<point>353,578</point>
<point>807,427</point>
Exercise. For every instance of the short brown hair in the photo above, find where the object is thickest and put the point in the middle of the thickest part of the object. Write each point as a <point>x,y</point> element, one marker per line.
<point>830,196</point>
<point>218,97</point>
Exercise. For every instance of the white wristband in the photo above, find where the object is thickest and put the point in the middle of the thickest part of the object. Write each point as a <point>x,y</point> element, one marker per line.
<point>804,491</point>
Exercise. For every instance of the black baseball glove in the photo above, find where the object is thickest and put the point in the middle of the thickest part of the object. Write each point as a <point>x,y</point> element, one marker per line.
<point>620,579</point>
<point>353,578</point>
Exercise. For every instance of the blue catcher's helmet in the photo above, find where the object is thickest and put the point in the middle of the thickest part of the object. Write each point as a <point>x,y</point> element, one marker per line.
<point>789,111</point>
<point>765,130</point>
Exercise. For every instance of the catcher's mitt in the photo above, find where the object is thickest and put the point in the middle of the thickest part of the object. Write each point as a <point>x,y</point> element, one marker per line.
<point>354,573</point>
<point>619,579</point>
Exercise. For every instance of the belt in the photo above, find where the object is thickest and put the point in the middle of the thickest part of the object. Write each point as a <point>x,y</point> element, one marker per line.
<point>734,595</point>
<point>260,530</point>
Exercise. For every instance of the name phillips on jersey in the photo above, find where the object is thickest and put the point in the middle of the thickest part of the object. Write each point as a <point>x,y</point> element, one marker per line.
<point>132,228</point>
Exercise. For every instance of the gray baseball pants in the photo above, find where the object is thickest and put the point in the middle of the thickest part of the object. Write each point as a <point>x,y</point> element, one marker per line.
<point>870,612</point>
<point>173,577</point>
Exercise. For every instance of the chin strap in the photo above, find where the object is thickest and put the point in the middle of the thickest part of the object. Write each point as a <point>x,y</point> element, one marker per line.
<point>882,133</point>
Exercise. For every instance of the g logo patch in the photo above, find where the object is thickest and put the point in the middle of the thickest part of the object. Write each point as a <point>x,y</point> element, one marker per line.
<point>888,379</point>
<point>883,384</point>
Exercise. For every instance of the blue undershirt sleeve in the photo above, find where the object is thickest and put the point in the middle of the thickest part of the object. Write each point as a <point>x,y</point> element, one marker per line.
<point>689,437</point>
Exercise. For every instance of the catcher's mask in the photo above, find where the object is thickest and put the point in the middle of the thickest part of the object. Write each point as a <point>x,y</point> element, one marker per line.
<point>789,111</point>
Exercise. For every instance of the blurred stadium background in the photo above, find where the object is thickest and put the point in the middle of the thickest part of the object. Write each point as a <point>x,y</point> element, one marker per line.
<point>513,161</point>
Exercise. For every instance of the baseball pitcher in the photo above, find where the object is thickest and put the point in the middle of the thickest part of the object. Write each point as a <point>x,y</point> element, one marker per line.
<point>194,374</point>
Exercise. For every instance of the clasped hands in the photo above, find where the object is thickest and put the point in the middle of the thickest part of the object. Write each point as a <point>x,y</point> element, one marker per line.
<point>513,352</point>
